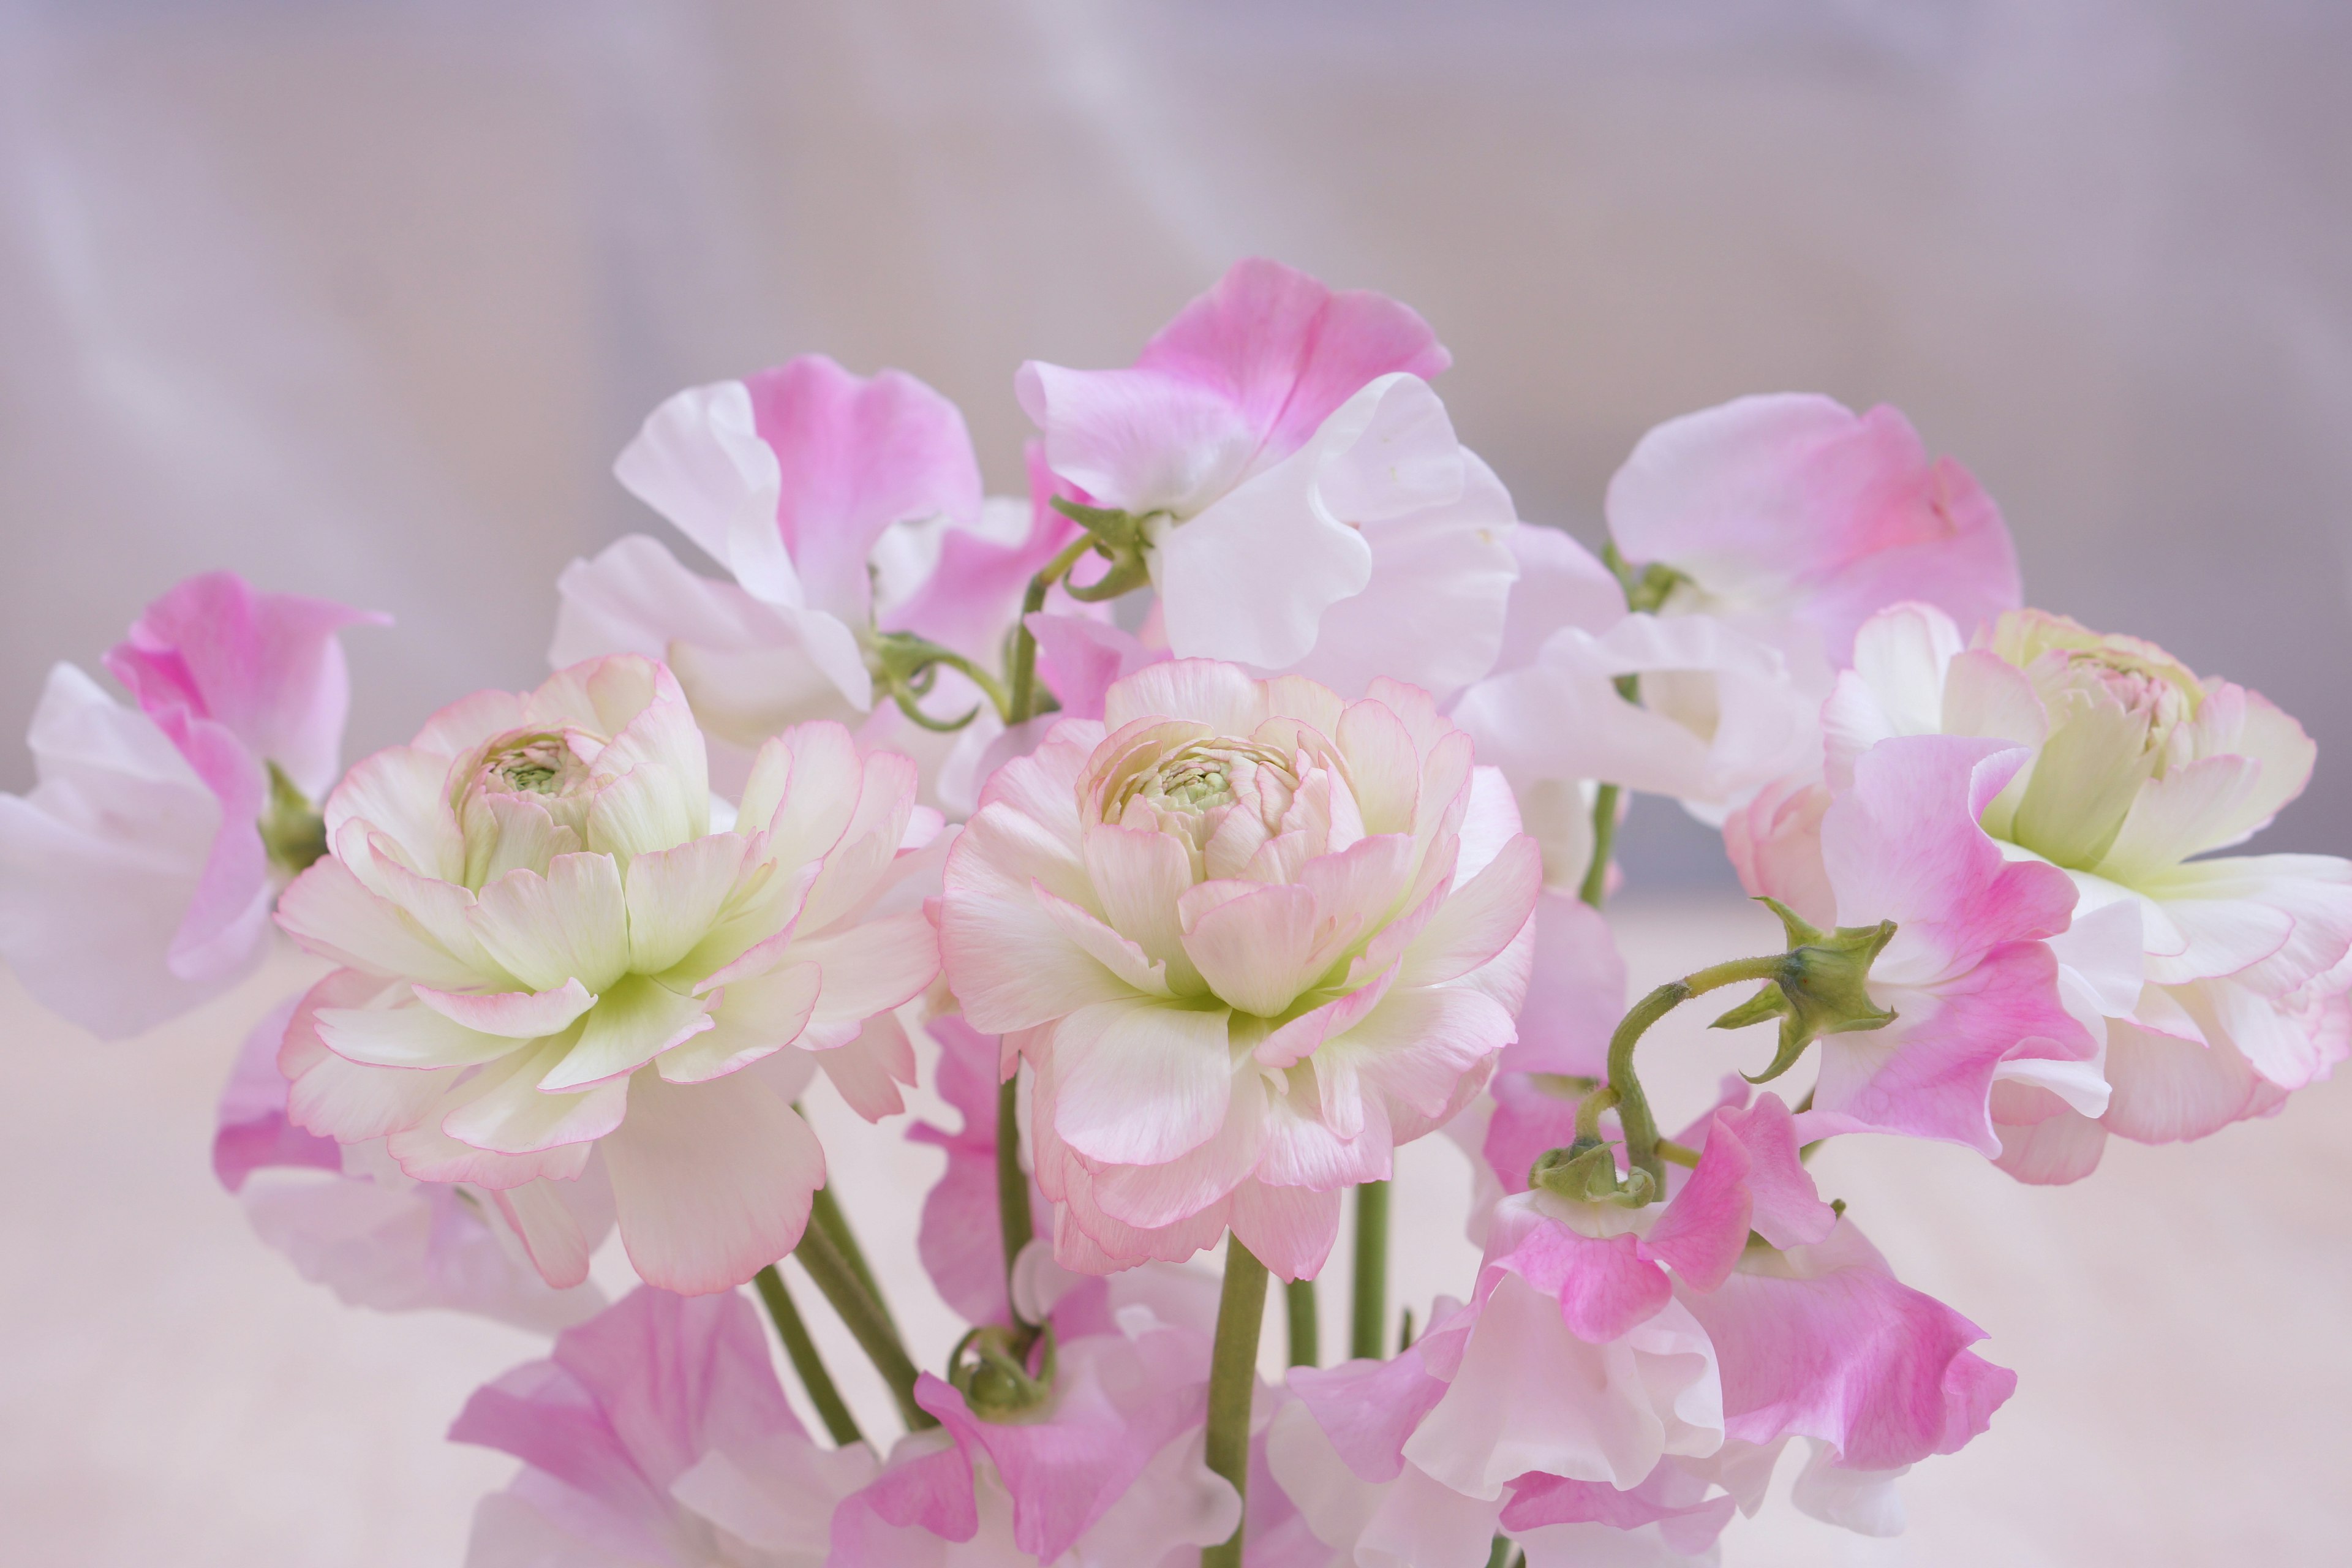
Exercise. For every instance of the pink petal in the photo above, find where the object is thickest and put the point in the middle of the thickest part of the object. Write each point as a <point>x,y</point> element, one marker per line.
<point>254,1133</point>
<point>1367,1408</point>
<point>711,1183</point>
<point>1603,1287</point>
<point>1140,1081</point>
<point>1575,997</point>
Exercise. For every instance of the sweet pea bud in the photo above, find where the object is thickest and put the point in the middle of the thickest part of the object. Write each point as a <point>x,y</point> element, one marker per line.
<point>995,1382</point>
<point>1822,988</point>
<point>1586,1171</point>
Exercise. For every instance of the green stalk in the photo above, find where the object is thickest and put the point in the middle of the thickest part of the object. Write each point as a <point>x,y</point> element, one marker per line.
<point>1022,701</point>
<point>831,1408</point>
<point>1604,842</point>
<point>1365,1330</point>
<point>1232,1378</point>
<point>1012,1215</point>
<point>1305,1332</point>
<point>1633,1107</point>
<point>832,1275</point>
<point>825,1212</point>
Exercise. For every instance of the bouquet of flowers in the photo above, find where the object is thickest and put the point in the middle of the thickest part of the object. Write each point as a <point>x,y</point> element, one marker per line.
<point>1231,810</point>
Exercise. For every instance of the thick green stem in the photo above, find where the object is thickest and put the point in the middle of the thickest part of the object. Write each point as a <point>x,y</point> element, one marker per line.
<point>1012,1215</point>
<point>1232,1378</point>
<point>832,1275</point>
<point>1305,1332</point>
<point>1021,702</point>
<point>1367,1327</point>
<point>1633,1108</point>
<point>1500,1555</point>
<point>831,1408</point>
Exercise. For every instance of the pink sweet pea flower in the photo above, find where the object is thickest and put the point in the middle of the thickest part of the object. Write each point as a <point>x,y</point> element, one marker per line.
<point>1969,974</point>
<point>1251,937</point>
<point>1304,502</point>
<point>352,1220</point>
<point>552,954</point>
<point>2215,983</point>
<point>656,1436</point>
<point>135,880</point>
<point>842,507</point>
<point>1105,1473</point>
<point>960,1238</point>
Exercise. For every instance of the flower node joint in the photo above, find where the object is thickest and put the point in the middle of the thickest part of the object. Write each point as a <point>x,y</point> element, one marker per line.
<point>991,1369</point>
<point>1586,1171</point>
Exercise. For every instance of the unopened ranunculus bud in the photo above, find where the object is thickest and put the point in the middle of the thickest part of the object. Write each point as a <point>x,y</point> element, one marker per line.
<point>1822,987</point>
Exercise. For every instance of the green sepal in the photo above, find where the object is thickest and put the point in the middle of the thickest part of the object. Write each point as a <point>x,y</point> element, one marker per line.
<point>1822,987</point>
<point>996,1381</point>
<point>292,831</point>
<point>1587,1172</point>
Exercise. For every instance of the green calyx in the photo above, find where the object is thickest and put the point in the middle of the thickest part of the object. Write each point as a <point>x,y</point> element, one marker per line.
<point>1821,988</point>
<point>1586,1171</point>
<point>1647,587</point>
<point>292,831</point>
<point>991,1369</point>
<point>1120,537</point>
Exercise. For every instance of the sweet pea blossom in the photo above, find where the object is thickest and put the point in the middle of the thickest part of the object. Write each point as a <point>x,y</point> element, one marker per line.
<point>136,878</point>
<point>1295,489</point>
<point>843,507</point>
<point>1759,535</point>
<point>2134,772</point>
<point>350,1219</point>
<point>1249,937</point>
<point>656,1436</point>
<point>1106,1472</point>
<point>551,953</point>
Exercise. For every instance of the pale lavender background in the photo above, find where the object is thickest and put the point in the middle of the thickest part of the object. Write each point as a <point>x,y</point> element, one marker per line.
<point>361,298</point>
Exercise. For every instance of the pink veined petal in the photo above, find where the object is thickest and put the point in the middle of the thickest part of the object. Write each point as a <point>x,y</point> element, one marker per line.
<point>561,1224</point>
<point>711,1183</point>
<point>1080,659</point>
<point>1009,963</point>
<point>503,1111</point>
<point>1150,1197</point>
<point>973,593</point>
<point>633,1022</point>
<point>1289,1229</point>
<point>571,923</point>
<point>1480,917</point>
<point>341,1100</point>
<point>254,1133</point>
<point>1794,499</point>
<point>1748,1178</point>
<point>402,792</point>
<point>1139,877</point>
<point>1576,994</point>
<point>329,912</point>
<point>1256,952</point>
<point>1367,1408</point>
<point>516,1016</point>
<point>1828,1345</point>
<point>1204,690</point>
<point>674,896</point>
<point>408,1036</point>
<point>1603,1287</point>
<point>869,1070</point>
<point>873,966</point>
<point>750,1019</point>
<point>1140,1081</point>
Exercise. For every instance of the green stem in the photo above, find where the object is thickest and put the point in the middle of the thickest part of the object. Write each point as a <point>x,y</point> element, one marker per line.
<point>825,1212</point>
<point>1500,1556</point>
<point>1232,1379</point>
<point>1633,1107</point>
<point>1305,1332</point>
<point>831,1408</point>
<point>1604,842</point>
<point>1367,1337</point>
<point>832,1275</point>
<point>1012,1215</point>
<point>1022,701</point>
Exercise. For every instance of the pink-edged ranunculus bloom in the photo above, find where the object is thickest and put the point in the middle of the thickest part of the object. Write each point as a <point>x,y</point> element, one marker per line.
<point>1106,1472</point>
<point>136,877</point>
<point>1251,937</point>
<point>350,1219</point>
<point>656,1436</point>
<point>1777,525</point>
<point>2229,991</point>
<point>1303,501</point>
<point>842,506</point>
<point>552,951</point>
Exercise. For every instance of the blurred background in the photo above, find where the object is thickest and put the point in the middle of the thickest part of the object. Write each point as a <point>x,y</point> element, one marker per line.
<point>361,298</point>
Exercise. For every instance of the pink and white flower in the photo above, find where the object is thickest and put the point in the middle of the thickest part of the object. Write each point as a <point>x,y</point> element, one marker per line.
<point>656,1436</point>
<point>2220,979</point>
<point>350,1219</point>
<point>136,878</point>
<point>1249,937</point>
<point>1304,502</point>
<point>553,949</point>
<point>1762,532</point>
<point>1108,1472</point>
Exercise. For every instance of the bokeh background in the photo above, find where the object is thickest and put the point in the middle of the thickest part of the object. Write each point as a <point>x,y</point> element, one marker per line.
<point>360,299</point>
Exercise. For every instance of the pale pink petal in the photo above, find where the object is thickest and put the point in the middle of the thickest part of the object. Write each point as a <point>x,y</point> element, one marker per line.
<point>749,1019</point>
<point>711,1183</point>
<point>1080,659</point>
<point>1576,994</point>
<point>869,1070</point>
<point>408,1036</point>
<point>1289,1229</point>
<point>503,1111</point>
<point>516,1014</point>
<point>1140,1081</point>
<point>1257,952</point>
<point>633,1022</point>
